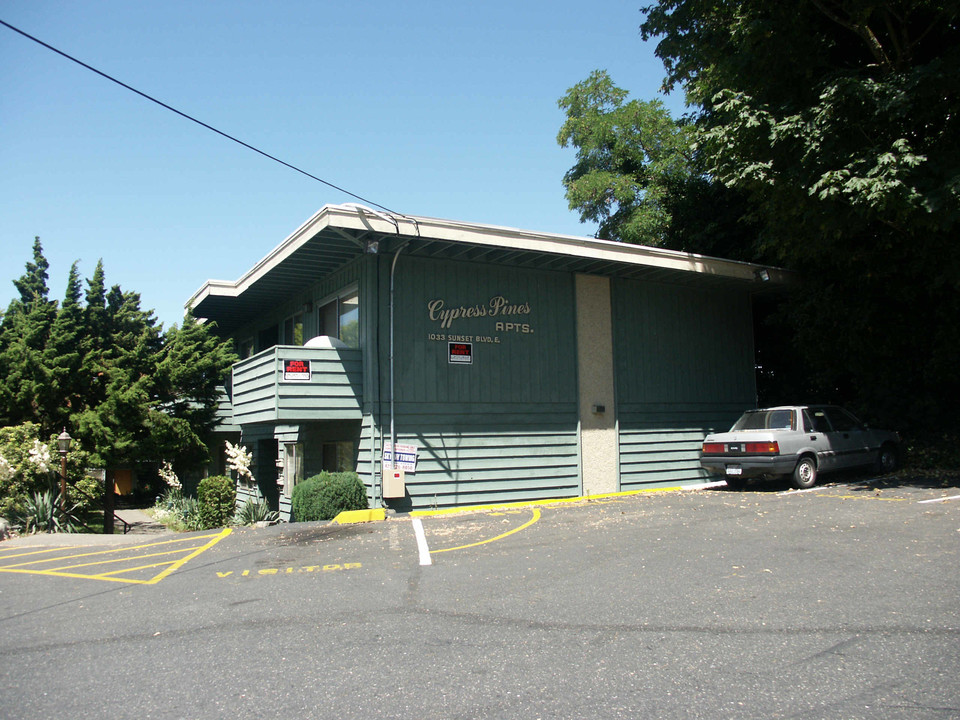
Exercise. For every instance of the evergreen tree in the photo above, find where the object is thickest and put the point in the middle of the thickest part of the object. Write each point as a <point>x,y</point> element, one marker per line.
<point>26,329</point>
<point>192,368</point>
<point>63,357</point>
<point>106,370</point>
<point>119,425</point>
<point>94,340</point>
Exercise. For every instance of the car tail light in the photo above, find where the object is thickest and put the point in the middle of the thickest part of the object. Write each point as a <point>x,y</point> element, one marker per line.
<point>763,448</point>
<point>712,448</point>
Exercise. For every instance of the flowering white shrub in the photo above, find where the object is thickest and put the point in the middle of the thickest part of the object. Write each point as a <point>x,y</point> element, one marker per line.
<point>7,471</point>
<point>169,476</point>
<point>239,460</point>
<point>25,467</point>
<point>39,456</point>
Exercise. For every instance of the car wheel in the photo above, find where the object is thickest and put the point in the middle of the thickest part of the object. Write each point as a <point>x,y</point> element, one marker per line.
<point>887,459</point>
<point>805,473</point>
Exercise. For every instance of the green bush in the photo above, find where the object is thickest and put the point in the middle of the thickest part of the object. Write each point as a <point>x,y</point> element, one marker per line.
<point>177,511</point>
<point>324,496</point>
<point>41,514</point>
<point>86,494</point>
<point>254,511</point>
<point>217,500</point>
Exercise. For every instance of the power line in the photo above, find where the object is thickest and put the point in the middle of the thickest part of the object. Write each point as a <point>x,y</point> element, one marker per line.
<point>193,119</point>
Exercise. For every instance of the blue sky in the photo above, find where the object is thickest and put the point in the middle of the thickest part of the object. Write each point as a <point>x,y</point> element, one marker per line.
<point>441,109</point>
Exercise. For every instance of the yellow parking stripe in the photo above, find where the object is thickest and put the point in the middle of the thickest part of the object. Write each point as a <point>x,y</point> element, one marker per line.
<point>127,554</point>
<point>11,554</point>
<point>536,516</point>
<point>119,560</point>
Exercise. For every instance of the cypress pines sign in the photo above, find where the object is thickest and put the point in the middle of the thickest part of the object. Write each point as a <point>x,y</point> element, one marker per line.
<point>497,307</point>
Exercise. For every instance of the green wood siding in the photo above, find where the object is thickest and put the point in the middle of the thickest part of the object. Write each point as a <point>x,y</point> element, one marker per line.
<point>684,367</point>
<point>504,427</point>
<point>334,392</point>
<point>489,457</point>
<point>224,417</point>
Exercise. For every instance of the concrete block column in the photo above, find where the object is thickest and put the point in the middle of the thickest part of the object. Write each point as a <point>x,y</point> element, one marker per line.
<point>599,443</point>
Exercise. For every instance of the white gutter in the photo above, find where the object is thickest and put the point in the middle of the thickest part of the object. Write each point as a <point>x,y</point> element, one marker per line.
<point>355,217</point>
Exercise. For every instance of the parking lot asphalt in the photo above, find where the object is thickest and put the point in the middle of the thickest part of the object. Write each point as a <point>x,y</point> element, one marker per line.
<point>841,601</point>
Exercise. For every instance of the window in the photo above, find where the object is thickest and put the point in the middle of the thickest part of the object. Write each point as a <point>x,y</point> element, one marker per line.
<point>267,338</point>
<point>245,348</point>
<point>841,420</point>
<point>340,457</point>
<point>293,330</point>
<point>292,466</point>
<point>350,319</point>
<point>766,420</point>
<point>339,317</point>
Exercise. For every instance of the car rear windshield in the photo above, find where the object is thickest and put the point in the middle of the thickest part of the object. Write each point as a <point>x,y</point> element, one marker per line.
<point>766,420</point>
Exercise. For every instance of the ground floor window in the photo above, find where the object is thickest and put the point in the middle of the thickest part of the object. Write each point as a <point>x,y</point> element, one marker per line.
<point>292,466</point>
<point>340,457</point>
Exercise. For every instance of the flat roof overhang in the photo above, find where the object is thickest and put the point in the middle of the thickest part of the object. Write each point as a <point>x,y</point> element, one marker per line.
<point>338,234</point>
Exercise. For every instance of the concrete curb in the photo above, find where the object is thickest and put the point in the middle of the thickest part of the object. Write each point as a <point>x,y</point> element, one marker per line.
<point>563,501</point>
<point>352,517</point>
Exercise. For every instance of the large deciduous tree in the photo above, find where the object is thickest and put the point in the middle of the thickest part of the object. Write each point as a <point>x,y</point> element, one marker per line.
<point>839,120</point>
<point>640,178</point>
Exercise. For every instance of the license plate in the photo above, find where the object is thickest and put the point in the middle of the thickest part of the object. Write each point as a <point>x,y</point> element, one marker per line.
<point>734,470</point>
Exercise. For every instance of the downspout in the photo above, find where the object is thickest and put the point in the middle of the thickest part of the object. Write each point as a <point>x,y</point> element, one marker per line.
<point>393,430</point>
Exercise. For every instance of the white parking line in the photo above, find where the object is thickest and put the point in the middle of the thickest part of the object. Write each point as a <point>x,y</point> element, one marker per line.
<point>943,499</point>
<point>797,492</point>
<point>421,542</point>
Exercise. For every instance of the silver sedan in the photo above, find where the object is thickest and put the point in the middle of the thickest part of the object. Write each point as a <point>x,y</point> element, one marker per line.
<point>799,441</point>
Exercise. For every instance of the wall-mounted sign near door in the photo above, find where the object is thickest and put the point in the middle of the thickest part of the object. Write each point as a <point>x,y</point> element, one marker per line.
<point>296,371</point>
<point>460,353</point>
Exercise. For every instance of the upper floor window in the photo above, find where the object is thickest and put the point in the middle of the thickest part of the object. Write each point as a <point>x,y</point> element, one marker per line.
<point>245,348</point>
<point>339,317</point>
<point>267,337</point>
<point>293,330</point>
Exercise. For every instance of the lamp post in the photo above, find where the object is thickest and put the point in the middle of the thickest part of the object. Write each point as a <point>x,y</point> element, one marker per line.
<point>63,447</point>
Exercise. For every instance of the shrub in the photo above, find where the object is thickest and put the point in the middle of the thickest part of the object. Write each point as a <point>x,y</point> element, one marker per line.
<point>177,511</point>
<point>86,494</point>
<point>217,500</point>
<point>41,513</point>
<point>254,511</point>
<point>324,496</point>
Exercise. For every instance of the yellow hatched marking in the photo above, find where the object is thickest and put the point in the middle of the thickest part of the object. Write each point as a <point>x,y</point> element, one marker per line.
<point>122,559</point>
<point>11,554</point>
<point>171,566</point>
<point>531,521</point>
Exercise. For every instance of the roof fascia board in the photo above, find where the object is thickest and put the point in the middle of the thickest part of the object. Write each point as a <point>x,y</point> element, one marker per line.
<point>351,217</point>
<point>593,249</point>
<point>571,245</point>
<point>293,242</point>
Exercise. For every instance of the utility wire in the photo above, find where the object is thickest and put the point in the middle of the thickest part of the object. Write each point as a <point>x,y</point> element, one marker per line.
<point>193,119</point>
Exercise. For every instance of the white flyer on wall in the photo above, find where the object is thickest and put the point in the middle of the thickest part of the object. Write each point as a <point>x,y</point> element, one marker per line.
<point>406,457</point>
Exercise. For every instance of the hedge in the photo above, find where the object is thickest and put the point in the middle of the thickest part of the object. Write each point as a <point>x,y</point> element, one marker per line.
<point>217,500</point>
<point>324,496</point>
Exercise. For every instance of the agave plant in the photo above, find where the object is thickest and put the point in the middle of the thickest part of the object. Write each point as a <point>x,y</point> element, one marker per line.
<point>254,511</point>
<point>41,513</point>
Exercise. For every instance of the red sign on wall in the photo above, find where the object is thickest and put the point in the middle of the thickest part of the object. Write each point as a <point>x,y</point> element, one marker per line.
<point>296,370</point>
<point>460,353</point>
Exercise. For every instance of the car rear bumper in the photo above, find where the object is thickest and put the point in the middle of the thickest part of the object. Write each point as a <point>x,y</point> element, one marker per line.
<point>748,466</point>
